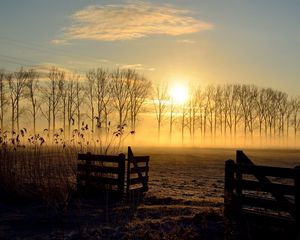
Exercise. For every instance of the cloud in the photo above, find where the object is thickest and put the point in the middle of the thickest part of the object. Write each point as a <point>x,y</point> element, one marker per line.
<point>44,69</point>
<point>136,66</point>
<point>186,41</point>
<point>86,63</point>
<point>60,42</point>
<point>132,20</point>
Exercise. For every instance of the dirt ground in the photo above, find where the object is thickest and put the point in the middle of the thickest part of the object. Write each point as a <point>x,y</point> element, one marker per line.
<point>184,201</point>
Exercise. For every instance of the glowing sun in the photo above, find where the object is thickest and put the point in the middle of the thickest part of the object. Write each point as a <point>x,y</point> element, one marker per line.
<point>179,93</point>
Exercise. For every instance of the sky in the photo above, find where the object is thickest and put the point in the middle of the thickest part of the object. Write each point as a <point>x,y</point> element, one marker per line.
<point>198,41</point>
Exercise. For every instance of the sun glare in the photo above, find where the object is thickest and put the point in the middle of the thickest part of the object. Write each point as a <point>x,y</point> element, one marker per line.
<point>179,93</point>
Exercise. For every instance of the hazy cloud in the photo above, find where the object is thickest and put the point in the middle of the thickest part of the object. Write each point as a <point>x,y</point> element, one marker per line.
<point>136,66</point>
<point>59,42</point>
<point>132,20</point>
<point>186,41</point>
<point>44,69</point>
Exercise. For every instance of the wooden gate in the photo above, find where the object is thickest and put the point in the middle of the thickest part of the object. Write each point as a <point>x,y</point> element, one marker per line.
<point>271,193</point>
<point>98,173</point>
<point>137,172</point>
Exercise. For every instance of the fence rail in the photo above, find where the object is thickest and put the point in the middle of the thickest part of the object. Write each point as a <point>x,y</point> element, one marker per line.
<point>137,172</point>
<point>250,192</point>
<point>105,172</point>
<point>101,172</point>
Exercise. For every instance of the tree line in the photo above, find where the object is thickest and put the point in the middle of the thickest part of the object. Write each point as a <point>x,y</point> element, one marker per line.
<point>226,110</point>
<point>103,98</point>
<point>76,102</point>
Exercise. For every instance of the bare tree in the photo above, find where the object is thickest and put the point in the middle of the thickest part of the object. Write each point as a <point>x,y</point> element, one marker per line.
<point>121,94</point>
<point>248,96</point>
<point>71,99</point>
<point>33,89</point>
<point>289,112</point>
<point>17,83</point>
<point>194,102</point>
<point>172,119</point>
<point>272,111</point>
<point>3,98</point>
<point>199,97</point>
<point>63,87</point>
<point>282,99</point>
<point>91,95</point>
<point>209,107</point>
<point>218,99</point>
<point>230,99</point>
<point>55,86</point>
<point>139,89</point>
<point>262,110</point>
<point>295,102</point>
<point>46,111</point>
<point>160,98</point>
<point>184,123</point>
<point>79,100</point>
<point>103,96</point>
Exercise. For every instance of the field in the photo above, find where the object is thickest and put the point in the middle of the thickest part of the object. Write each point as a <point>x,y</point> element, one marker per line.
<point>184,201</point>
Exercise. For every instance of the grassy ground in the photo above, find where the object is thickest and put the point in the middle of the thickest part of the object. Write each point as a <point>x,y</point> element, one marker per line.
<point>184,201</point>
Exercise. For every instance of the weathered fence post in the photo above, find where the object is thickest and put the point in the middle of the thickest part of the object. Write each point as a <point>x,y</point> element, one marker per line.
<point>121,174</point>
<point>130,156</point>
<point>297,200</point>
<point>146,175</point>
<point>228,188</point>
<point>88,164</point>
<point>240,159</point>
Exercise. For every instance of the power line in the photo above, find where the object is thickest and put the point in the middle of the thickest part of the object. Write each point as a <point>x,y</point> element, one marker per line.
<point>12,57</point>
<point>42,48</point>
<point>20,63</point>
<point>15,63</point>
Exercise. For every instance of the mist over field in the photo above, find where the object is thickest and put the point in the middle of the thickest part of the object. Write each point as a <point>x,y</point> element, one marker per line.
<point>149,120</point>
<point>103,105</point>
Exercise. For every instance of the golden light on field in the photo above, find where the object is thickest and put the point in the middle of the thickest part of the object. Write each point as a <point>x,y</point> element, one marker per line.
<point>179,93</point>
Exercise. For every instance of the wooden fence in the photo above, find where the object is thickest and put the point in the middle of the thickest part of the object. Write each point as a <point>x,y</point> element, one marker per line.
<point>101,172</point>
<point>253,191</point>
<point>137,172</point>
<point>98,173</point>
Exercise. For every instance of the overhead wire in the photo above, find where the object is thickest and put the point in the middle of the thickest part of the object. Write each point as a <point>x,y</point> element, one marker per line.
<point>43,48</point>
<point>29,63</point>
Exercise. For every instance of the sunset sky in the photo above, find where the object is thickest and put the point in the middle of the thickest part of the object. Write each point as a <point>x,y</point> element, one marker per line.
<point>205,41</point>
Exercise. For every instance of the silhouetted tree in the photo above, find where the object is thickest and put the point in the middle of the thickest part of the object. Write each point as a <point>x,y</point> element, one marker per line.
<point>218,100</point>
<point>3,98</point>
<point>55,87</point>
<point>289,112</point>
<point>282,99</point>
<point>172,119</point>
<point>91,94</point>
<point>138,91</point>
<point>45,106</point>
<point>236,107</point>
<point>33,89</point>
<point>228,107</point>
<point>295,102</point>
<point>160,98</point>
<point>121,93</point>
<point>208,108</point>
<point>103,96</point>
<point>184,122</point>
<point>17,83</point>
<point>79,100</point>
<point>71,99</point>
<point>262,110</point>
<point>248,96</point>
<point>64,92</point>
<point>193,109</point>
